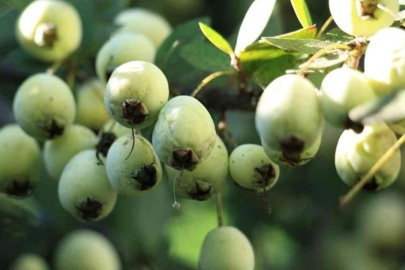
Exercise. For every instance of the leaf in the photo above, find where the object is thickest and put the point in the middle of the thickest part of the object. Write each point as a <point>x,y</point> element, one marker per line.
<point>216,39</point>
<point>205,57</point>
<point>309,46</point>
<point>302,12</point>
<point>328,61</point>
<point>253,23</point>
<point>19,4</point>
<point>303,33</point>
<point>337,35</point>
<point>270,70</point>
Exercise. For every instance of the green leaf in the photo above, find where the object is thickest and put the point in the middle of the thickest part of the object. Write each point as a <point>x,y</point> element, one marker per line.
<point>205,57</point>
<point>254,23</point>
<point>302,12</point>
<point>216,39</point>
<point>328,61</point>
<point>309,46</point>
<point>19,4</point>
<point>270,70</point>
<point>303,33</point>
<point>337,35</point>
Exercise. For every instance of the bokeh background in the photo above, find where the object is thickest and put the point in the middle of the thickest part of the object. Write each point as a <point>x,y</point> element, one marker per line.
<point>306,229</point>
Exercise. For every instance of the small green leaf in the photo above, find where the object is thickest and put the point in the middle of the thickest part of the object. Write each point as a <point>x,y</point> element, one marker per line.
<point>216,39</point>
<point>270,70</point>
<point>253,23</point>
<point>302,12</point>
<point>303,33</point>
<point>309,46</point>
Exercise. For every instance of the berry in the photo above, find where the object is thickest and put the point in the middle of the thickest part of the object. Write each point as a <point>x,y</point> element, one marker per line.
<point>29,261</point>
<point>49,30</point>
<point>184,134</point>
<point>208,178</point>
<point>133,171</point>
<point>86,249</point>
<point>122,48</point>
<point>43,106</point>
<point>363,17</point>
<point>251,168</point>
<point>226,248</point>
<point>135,93</point>
<point>144,21</point>
<point>357,153</point>
<point>20,162</point>
<point>384,60</point>
<point>84,190</point>
<point>59,151</point>
<point>289,120</point>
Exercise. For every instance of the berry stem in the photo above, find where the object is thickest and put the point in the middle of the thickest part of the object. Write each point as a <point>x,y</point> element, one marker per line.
<point>323,28</point>
<point>363,181</point>
<point>55,66</point>
<point>219,209</point>
<point>209,78</point>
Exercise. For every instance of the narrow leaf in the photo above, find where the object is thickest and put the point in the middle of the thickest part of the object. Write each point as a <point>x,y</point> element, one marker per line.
<point>254,23</point>
<point>302,12</point>
<point>309,46</point>
<point>216,39</point>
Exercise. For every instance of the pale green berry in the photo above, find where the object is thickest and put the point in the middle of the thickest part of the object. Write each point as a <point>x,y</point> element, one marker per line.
<point>122,48</point>
<point>135,93</point>
<point>226,248</point>
<point>343,89</point>
<point>20,161</point>
<point>116,128</point>
<point>384,60</point>
<point>289,120</point>
<point>86,250</point>
<point>91,111</point>
<point>133,168</point>
<point>49,30</point>
<point>208,178</point>
<point>144,21</point>
<point>251,168</point>
<point>84,190</point>
<point>59,151</point>
<point>29,261</point>
<point>363,17</point>
<point>184,134</point>
<point>356,154</point>
<point>43,106</point>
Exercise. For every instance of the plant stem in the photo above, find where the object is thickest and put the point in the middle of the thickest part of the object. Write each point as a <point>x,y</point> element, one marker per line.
<point>363,181</point>
<point>209,78</point>
<point>219,209</point>
<point>324,26</point>
<point>55,66</point>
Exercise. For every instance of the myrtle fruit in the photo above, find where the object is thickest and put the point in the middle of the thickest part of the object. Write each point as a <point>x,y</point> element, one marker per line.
<point>133,168</point>
<point>208,178</point>
<point>29,261</point>
<point>226,248</point>
<point>289,120</point>
<point>86,249</point>
<point>252,169</point>
<point>59,151</point>
<point>147,22</point>
<point>20,162</point>
<point>43,106</point>
<point>135,93</point>
<point>84,190</point>
<point>356,154</point>
<point>91,111</point>
<point>184,134</point>
<point>363,17</point>
<point>49,30</point>
<point>343,89</point>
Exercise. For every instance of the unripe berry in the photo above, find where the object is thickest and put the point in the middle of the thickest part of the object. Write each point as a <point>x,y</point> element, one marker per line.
<point>252,169</point>
<point>226,248</point>
<point>20,161</point>
<point>43,106</point>
<point>144,21</point>
<point>59,151</point>
<point>122,48</point>
<point>208,178</point>
<point>363,17</point>
<point>357,153</point>
<point>289,120</point>
<point>91,111</point>
<point>86,249</point>
<point>184,134</point>
<point>343,89</point>
<point>133,171</point>
<point>135,93</point>
<point>84,190</point>
<point>29,261</point>
<point>384,60</point>
<point>49,30</point>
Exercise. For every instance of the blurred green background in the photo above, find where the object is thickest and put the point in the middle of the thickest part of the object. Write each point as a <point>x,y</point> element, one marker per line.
<point>306,229</point>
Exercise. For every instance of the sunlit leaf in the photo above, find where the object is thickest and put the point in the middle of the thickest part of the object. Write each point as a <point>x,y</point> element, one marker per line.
<point>309,46</point>
<point>302,12</point>
<point>307,32</point>
<point>337,35</point>
<point>254,23</point>
<point>216,39</point>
